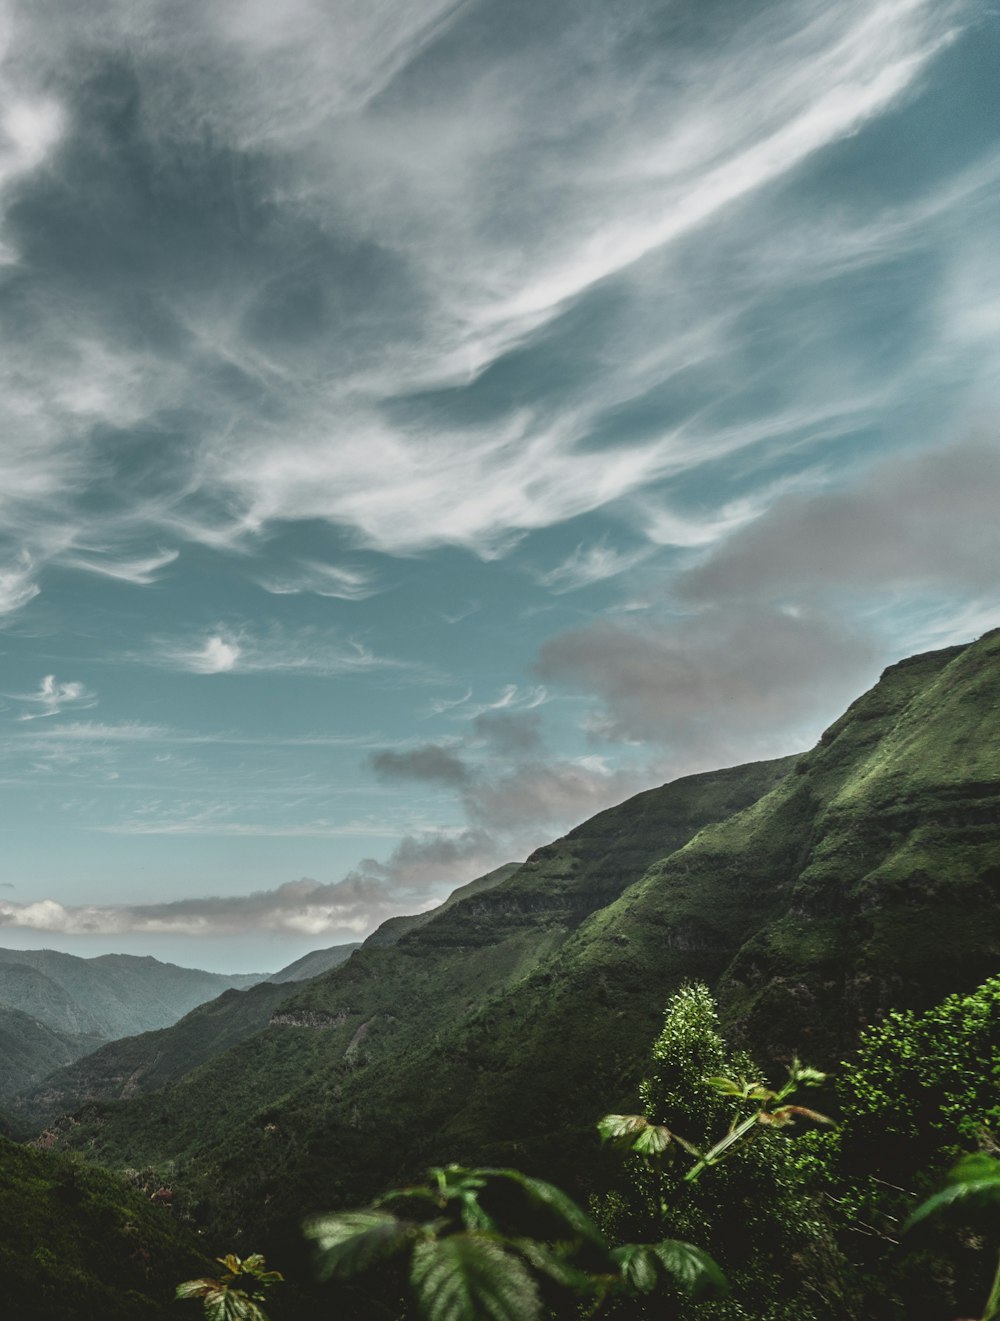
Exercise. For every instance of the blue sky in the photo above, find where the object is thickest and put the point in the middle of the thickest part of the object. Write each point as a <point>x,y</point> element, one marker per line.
<point>424,424</point>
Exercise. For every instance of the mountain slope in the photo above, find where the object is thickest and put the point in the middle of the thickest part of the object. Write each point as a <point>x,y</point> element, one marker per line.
<point>132,1066</point>
<point>314,963</point>
<point>30,1050</point>
<point>393,929</point>
<point>75,1242</point>
<point>386,1004</point>
<point>112,995</point>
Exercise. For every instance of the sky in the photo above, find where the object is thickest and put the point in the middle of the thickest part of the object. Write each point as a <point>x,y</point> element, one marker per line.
<point>425,423</point>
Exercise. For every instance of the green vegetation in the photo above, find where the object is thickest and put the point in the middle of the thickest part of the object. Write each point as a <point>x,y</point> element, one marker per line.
<point>75,1242</point>
<point>495,1243</point>
<point>855,885</point>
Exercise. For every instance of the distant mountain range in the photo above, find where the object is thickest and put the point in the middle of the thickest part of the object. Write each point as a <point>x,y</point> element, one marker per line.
<point>813,893</point>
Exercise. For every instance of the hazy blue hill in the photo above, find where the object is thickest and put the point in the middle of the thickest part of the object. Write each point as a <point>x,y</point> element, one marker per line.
<point>30,1050</point>
<point>112,995</point>
<point>314,963</point>
<point>132,1066</point>
<point>75,1244</point>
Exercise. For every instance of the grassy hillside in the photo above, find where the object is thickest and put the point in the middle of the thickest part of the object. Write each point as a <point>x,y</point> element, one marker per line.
<point>30,1050</point>
<point>133,1066</point>
<point>272,1111</point>
<point>314,963</point>
<point>76,1243</point>
<point>393,929</point>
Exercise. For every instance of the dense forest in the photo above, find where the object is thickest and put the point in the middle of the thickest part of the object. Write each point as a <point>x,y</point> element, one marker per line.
<point>727,1050</point>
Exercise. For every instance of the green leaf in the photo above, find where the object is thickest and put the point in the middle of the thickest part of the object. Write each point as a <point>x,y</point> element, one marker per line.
<point>351,1241</point>
<point>727,1086</point>
<point>976,1177</point>
<point>622,1129</point>
<point>553,1199</point>
<point>653,1140</point>
<point>639,1266</point>
<point>548,1261</point>
<point>196,1288</point>
<point>693,1270</point>
<point>471,1278</point>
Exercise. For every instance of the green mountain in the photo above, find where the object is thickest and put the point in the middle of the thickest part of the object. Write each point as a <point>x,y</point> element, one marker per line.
<point>393,929</point>
<point>30,1050</point>
<point>110,996</point>
<point>315,962</point>
<point>132,1066</point>
<point>77,1242</point>
<point>387,1004</point>
<point>812,894</point>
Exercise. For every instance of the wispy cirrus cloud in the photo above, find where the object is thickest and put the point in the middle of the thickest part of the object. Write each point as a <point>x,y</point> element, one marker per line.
<point>340,140</point>
<point>238,650</point>
<point>341,582</point>
<point>52,697</point>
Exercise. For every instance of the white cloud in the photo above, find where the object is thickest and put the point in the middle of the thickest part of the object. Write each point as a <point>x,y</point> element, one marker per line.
<point>307,652</point>
<point>52,697</point>
<point>588,565</point>
<point>496,199</point>
<point>338,581</point>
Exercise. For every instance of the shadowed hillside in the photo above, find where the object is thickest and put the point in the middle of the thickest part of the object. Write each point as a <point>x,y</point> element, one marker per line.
<point>867,877</point>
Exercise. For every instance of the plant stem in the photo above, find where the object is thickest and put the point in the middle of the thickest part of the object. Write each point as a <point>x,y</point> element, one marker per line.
<point>716,1153</point>
<point>992,1311</point>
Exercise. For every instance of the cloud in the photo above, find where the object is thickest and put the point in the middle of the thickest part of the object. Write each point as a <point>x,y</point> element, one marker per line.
<point>140,571</point>
<point>717,686</point>
<point>338,581</point>
<point>306,907</point>
<point>588,565</point>
<point>430,762</point>
<point>496,234</point>
<point>417,874</point>
<point>508,732</point>
<point>912,523</point>
<point>307,652</point>
<point>54,697</point>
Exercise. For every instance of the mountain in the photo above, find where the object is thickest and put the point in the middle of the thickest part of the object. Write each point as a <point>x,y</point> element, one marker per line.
<point>30,1050</point>
<point>812,894</point>
<point>132,1066</point>
<point>77,1242</point>
<point>109,996</point>
<point>393,929</point>
<point>386,1003</point>
<point>315,962</point>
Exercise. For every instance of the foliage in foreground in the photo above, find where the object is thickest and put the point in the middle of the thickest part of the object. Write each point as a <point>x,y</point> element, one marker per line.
<point>706,1109</point>
<point>496,1243</point>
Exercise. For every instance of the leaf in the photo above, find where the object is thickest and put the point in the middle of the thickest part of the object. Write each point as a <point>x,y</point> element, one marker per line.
<point>653,1140</point>
<point>196,1288</point>
<point>786,1114</point>
<point>549,1262</point>
<point>467,1277</point>
<point>727,1086</point>
<point>639,1266</point>
<point>351,1241</point>
<point>976,1177</point>
<point>693,1270</point>
<point>621,1129</point>
<point>554,1200</point>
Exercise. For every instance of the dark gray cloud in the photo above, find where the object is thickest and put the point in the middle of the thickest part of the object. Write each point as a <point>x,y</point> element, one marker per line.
<point>716,685</point>
<point>510,732</point>
<point>924,521</point>
<point>432,762</point>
